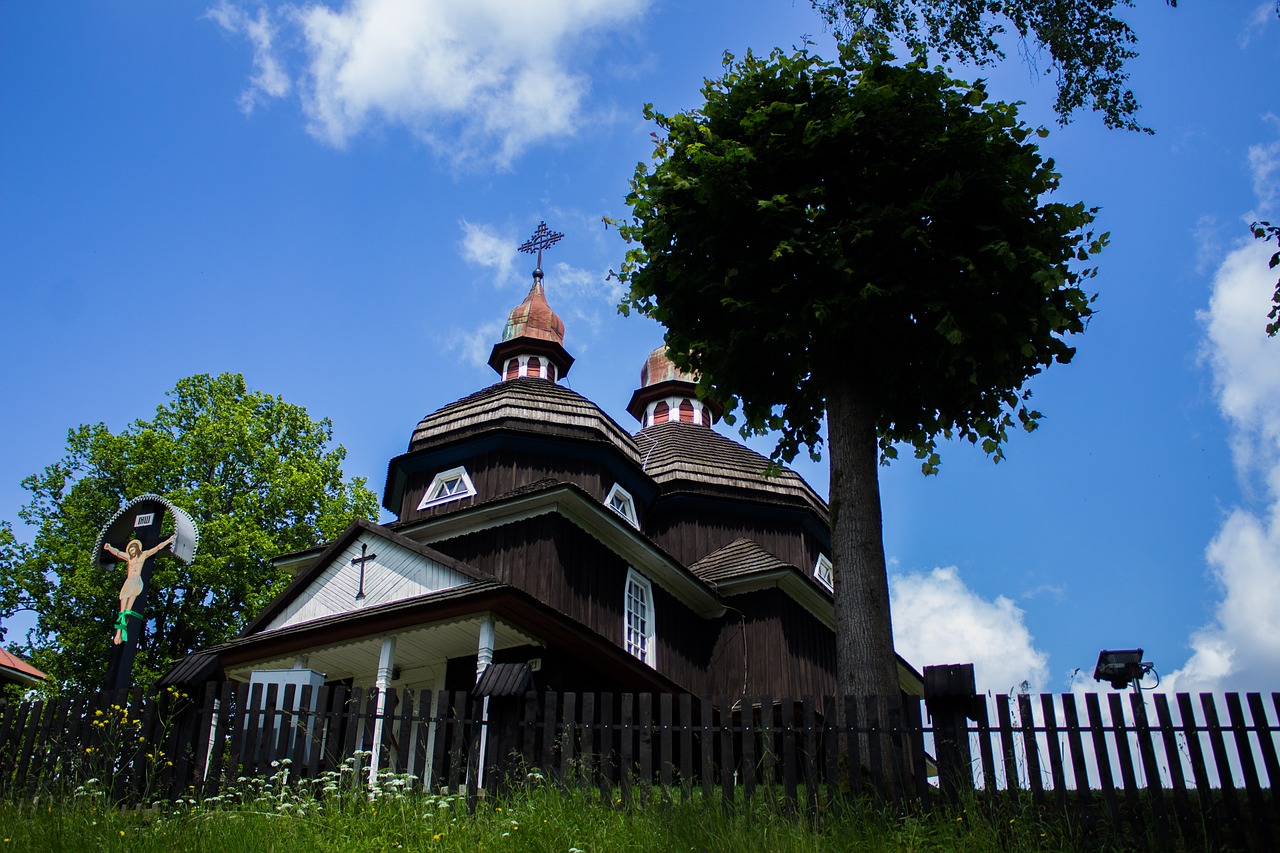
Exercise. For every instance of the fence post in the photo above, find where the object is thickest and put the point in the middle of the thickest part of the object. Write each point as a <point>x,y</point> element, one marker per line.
<point>950,693</point>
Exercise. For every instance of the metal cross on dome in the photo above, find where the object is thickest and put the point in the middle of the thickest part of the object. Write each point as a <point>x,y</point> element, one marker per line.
<point>543,238</point>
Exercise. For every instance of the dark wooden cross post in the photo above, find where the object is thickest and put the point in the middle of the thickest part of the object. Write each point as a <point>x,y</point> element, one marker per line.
<point>360,561</point>
<point>130,623</point>
<point>543,238</point>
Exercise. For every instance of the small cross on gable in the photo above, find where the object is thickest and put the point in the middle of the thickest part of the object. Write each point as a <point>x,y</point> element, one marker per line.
<point>360,561</point>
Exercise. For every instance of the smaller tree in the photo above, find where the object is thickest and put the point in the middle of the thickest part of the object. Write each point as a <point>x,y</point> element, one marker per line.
<point>1267,231</point>
<point>256,474</point>
<point>1087,42</point>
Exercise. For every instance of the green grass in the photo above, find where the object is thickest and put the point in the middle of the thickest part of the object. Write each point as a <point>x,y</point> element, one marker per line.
<point>266,814</point>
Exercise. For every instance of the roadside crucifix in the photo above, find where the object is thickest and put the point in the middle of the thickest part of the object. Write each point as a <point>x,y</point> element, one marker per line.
<point>133,537</point>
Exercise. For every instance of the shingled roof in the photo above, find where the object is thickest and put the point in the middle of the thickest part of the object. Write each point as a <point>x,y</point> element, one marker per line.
<point>680,455</point>
<point>532,405</point>
<point>739,558</point>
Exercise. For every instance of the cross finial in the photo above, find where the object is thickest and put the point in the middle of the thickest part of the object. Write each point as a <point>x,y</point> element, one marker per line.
<point>543,238</point>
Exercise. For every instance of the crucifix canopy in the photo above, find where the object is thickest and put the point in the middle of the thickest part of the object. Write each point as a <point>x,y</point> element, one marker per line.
<point>126,519</point>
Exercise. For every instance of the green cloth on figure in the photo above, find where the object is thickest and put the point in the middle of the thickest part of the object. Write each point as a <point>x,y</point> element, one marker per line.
<point>122,623</point>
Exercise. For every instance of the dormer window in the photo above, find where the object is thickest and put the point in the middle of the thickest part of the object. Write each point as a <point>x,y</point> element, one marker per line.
<point>451,485</point>
<point>822,572</point>
<point>621,502</point>
<point>637,627</point>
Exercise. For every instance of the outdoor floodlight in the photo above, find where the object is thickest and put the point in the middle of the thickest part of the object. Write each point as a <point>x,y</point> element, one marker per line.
<point>1120,667</point>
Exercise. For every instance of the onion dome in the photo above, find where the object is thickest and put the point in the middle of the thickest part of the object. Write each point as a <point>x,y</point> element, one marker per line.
<point>533,342</point>
<point>669,394</point>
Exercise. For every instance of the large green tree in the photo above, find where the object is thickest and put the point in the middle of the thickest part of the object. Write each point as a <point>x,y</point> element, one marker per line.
<point>869,240</point>
<point>258,476</point>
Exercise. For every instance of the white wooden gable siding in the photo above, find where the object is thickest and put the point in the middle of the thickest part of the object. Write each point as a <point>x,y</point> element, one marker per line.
<point>394,575</point>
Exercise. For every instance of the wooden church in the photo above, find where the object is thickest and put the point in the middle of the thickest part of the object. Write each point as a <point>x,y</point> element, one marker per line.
<point>536,532</point>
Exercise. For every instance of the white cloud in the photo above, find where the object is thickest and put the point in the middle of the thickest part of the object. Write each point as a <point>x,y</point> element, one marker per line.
<point>477,81</point>
<point>486,246</point>
<point>1262,16</point>
<point>1240,648</point>
<point>937,619</point>
<point>474,345</point>
<point>269,79</point>
<point>1264,162</point>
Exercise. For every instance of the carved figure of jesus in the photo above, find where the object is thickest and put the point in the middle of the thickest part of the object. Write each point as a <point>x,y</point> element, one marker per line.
<point>135,557</point>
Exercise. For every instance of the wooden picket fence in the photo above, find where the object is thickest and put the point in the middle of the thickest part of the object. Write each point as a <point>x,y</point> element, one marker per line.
<point>1169,764</point>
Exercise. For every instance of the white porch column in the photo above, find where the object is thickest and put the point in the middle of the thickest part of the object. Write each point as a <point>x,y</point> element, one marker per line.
<point>484,654</point>
<point>386,664</point>
<point>484,657</point>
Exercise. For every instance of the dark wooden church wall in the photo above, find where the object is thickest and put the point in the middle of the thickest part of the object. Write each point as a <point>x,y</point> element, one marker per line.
<point>691,535</point>
<point>788,649</point>
<point>563,566</point>
<point>500,471</point>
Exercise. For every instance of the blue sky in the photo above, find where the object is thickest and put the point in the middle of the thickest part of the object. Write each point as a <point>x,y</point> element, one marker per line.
<point>327,198</point>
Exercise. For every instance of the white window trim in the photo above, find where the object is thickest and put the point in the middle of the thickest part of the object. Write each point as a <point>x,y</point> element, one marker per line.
<point>648,651</point>
<point>822,573</point>
<point>433,496</point>
<point>630,513</point>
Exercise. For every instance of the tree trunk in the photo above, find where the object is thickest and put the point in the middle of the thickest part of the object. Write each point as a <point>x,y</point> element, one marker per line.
<point>865,661</point>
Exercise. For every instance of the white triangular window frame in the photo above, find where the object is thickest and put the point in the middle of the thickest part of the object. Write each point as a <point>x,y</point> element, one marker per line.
<point>620,501</point>
<point>638,618</point>
<point>822,573</point>
<point>452,485</point>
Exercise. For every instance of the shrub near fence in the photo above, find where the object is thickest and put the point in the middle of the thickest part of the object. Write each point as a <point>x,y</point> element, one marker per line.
<point>1162,767</point>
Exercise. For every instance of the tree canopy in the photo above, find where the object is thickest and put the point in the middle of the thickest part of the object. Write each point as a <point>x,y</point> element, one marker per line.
<point>1088,44</point>
<point>866,240</point>
<point>258,476</point>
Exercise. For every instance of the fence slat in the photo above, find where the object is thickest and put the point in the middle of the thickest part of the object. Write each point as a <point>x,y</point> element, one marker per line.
<point>830,737</point>
<point>919,762</point>
<point>1195,750</point>
<point>604,724</point>
<point>1146,749</point>
<point>706,746</point>
<point>665,735</point>
<point>1030,747</point>
<point>1075,744</point>
<point>1057,770</point>
<point>1267,745</point>
<point>568,737</point>
<point>748,749</point>
<point>1248,769</point>
<point>788,753</point>
<point>1102,756</point>
<point>626,732</point>
<point>1226,779</point>
<point>645,744</point>
<point>726,752</point>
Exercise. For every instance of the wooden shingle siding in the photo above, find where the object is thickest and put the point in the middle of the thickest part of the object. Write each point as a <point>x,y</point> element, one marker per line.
<point>540,404</point>
<point>501,471</point>
<point>561,565</point>
<point>394,575</point>
<point>678,454</point>
<point>690,536</point>
<point>788,650</point>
